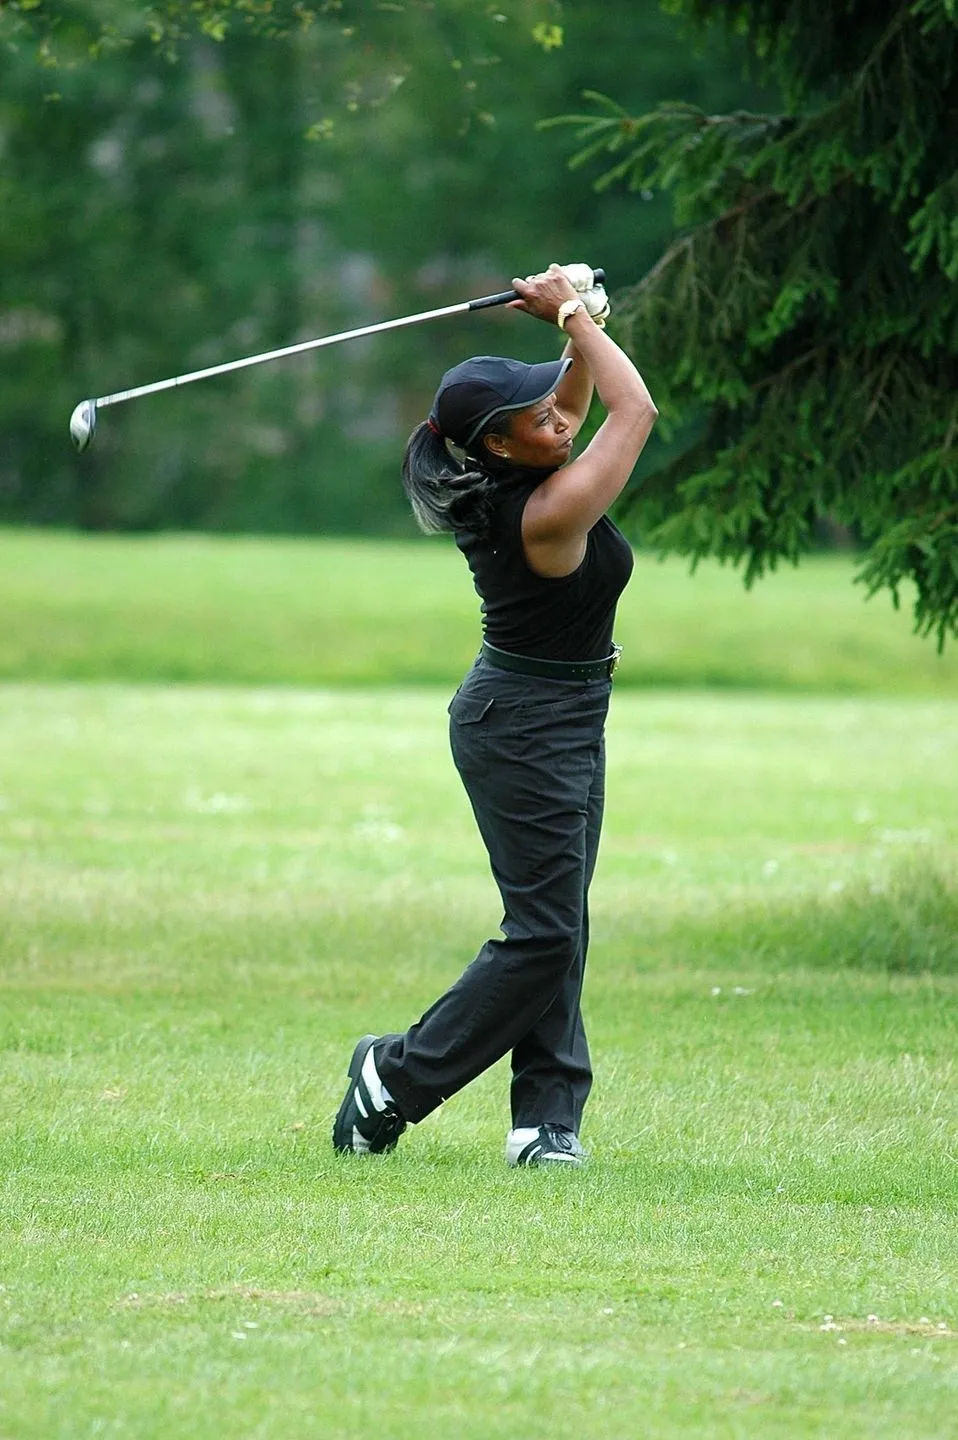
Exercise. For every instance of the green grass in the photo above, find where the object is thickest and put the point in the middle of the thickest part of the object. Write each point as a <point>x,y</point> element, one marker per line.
<point>318,612</point>
<point>208,893</point>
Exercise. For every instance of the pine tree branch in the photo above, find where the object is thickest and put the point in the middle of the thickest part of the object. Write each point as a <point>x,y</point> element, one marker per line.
<point>807,317</point>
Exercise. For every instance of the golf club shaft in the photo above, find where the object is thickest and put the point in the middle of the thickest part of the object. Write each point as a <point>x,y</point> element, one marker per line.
<point>483,303</point>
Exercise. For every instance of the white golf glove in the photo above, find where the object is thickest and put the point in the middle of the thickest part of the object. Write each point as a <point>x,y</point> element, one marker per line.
<point>580,277</point>
<point>593,296</point>
<point>596,301</point>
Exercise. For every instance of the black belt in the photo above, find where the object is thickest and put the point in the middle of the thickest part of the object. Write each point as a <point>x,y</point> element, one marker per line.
<point>553,669</point>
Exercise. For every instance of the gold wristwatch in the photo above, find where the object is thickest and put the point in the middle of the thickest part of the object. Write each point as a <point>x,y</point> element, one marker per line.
<point>567,308</point>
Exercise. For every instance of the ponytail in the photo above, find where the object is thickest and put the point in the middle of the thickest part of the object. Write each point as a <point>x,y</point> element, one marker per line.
<point>444,494</point>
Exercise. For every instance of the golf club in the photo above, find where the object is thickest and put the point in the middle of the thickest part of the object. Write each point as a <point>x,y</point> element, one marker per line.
<point>83,419</point>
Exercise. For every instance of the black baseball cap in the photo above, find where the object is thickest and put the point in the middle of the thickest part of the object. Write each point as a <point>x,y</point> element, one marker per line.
<point>471,393</point>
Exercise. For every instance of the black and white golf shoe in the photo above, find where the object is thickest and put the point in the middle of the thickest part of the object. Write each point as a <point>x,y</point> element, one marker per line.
<point>367,1123</point>
<point>543,1145</point>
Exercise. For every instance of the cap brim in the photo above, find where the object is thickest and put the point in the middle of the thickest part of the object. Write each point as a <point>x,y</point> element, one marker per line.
<point>538,382</point>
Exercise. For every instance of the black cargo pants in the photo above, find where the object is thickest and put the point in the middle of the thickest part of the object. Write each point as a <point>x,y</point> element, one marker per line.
<point>531,754</point>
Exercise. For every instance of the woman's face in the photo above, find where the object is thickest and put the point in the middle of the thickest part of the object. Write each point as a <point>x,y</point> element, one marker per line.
<point>539,438</point>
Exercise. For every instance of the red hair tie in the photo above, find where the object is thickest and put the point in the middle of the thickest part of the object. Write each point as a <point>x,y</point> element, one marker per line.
<point>434,427</point>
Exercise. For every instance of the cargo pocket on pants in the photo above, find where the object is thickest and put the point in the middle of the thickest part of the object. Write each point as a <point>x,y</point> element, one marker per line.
<point>467,734</point>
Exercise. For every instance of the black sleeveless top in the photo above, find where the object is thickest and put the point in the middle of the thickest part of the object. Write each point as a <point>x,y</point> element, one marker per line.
<point>566,618</point>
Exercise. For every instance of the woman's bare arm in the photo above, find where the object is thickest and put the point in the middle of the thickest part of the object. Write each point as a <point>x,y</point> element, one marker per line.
<point>574,391</point>
<point>562,510</point>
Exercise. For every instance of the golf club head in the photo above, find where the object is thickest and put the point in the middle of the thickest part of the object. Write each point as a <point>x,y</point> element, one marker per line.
<point>83,423</point>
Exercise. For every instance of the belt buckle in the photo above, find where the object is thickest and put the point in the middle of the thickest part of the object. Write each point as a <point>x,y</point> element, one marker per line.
<point>614,660</point>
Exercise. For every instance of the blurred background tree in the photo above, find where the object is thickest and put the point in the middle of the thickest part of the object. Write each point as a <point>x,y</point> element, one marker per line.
<point>188,183</point>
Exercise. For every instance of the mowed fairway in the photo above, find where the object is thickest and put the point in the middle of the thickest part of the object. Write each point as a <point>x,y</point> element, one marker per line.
<point>208,894</point>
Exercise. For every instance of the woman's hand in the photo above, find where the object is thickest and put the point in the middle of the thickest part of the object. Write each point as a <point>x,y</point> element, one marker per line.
<point>541,295</point>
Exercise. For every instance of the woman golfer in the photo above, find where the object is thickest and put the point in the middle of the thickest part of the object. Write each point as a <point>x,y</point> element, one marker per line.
<point>527,722</point>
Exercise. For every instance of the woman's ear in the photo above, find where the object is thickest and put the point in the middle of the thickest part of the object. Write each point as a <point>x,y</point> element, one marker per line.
<point>497,444</point>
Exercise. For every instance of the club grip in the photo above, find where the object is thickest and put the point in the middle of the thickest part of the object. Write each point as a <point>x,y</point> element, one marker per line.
<point>504,296</point>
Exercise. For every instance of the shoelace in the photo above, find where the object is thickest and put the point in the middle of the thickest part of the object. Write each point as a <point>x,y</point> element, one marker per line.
<point>559,1139</point>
